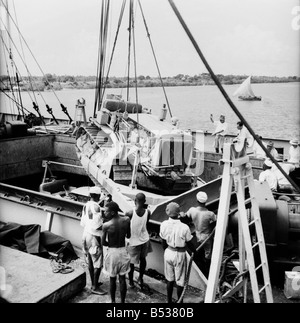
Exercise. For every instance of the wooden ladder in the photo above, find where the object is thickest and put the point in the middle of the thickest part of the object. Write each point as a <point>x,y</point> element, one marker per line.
<point>238,172</point>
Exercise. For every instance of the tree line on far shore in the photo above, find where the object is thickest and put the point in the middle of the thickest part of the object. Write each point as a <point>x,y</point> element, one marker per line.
<point>55,82</point>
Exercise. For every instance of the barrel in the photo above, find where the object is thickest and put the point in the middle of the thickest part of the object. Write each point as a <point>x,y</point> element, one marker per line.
<point>122,106</point>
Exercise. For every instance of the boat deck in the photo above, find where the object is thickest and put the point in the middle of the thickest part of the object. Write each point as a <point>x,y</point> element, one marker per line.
<point>29,279</point>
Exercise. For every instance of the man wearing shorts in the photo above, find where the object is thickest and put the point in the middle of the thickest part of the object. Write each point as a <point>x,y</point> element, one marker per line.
<point>117,259</point>
<point>92,222</point>
<point>139,243</point>
<point>176,236</point>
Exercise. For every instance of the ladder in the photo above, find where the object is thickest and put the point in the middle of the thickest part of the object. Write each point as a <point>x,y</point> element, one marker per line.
<point>238,173</point>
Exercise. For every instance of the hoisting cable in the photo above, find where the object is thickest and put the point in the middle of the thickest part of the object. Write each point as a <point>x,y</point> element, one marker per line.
<point>129,46</point>
<point>155,58</point>
<point>227,98</point>
<point>113,49</point>
<point>102,53</point>
<point>135,73</point>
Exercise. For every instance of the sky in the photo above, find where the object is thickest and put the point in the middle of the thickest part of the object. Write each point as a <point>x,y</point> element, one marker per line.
<point>244,37</point>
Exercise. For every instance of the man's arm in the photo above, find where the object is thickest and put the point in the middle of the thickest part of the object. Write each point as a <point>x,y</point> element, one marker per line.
<point>129,214</point>
<point>97,218</point>
<point>191,246</point>
<point>104,237</point>
<point>164,244</point>
<point>148,219</point>
<point>128,233</point>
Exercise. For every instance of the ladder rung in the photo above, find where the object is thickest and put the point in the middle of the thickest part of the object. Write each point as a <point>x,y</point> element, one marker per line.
<point>264,288</point>
<point>256,244</point>
<point>251,223</point>
<point>256,269</point>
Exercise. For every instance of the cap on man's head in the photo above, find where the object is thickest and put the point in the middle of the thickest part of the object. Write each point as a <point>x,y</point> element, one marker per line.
<point>201,197</point>
<point>294,142</point>
<point>268,162</point>
<point>270,144</point>
<point>174,209</point>
<point>95,190</point>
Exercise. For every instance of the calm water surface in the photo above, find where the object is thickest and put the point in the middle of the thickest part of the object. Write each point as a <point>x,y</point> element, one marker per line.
<point>276,116</point>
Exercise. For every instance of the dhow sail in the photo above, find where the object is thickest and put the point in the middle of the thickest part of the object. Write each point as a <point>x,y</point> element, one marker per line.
<point>245,89</point>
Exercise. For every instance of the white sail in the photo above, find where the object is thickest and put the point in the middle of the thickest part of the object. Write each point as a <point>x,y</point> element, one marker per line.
<point>245,89</point>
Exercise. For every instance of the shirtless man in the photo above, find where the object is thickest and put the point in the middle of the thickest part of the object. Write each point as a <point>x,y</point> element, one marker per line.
<point>204,221</point>
<point>117,259</point>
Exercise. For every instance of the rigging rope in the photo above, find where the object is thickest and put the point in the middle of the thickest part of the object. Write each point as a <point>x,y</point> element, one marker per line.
<point>17,71</point>
<point>27,47</point>
<point>135,74</point>
<point>155,58</point>
<point>227,98</point>
<point>102,53</point>
<point>129,46</point>
<point>9,73</point>
<point>23,53</point>
<point>23,60</point>
<point>113,49</point>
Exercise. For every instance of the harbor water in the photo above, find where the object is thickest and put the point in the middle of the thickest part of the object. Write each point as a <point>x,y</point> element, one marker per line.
<point>276,116</point>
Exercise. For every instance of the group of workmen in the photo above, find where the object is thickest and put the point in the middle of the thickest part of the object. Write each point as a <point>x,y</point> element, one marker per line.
<point>271,174</point>
<point>128,240</point>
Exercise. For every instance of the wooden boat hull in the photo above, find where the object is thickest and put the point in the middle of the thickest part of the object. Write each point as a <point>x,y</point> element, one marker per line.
<point>255,98</point>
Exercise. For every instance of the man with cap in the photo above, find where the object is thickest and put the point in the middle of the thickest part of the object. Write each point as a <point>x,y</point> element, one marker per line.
<point>272,150</point>
<point>219,133</point>
<point>176,236</point>
<point>92,222</point>
<point>267,175</point>
<point>204,221</point>
<point>294,152</point>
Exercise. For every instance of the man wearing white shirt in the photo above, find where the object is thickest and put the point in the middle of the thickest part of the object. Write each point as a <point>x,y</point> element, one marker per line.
<point>176,236</point>
<point>294,152</point>
<point>219,133</point>
<point>244,135</point>
<point>284,186</point>
<point>268,175</point>
<point>92,222</point>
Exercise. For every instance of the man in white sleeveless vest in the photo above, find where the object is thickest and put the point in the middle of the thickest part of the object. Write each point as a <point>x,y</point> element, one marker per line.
<point>92,222</point>
<point>139,243</point>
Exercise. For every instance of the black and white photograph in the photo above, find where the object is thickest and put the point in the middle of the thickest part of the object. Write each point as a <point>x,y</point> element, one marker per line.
<point>150,154</point>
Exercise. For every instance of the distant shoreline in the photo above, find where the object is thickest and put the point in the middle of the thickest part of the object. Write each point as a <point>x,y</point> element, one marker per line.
<point>56,83</point>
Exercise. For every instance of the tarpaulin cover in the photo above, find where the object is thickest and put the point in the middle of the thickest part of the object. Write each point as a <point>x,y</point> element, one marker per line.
<point>30,239</point>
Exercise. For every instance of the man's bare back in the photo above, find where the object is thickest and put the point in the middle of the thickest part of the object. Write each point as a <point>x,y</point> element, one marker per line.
<point>116,230</point>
